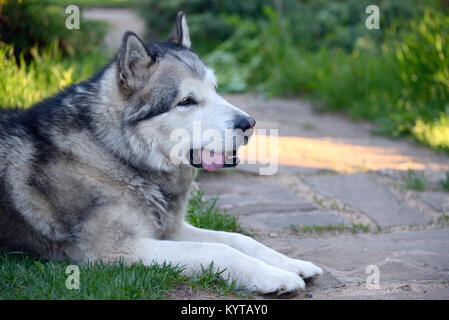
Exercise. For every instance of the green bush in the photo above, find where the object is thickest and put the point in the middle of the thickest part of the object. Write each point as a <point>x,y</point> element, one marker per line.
<point>422,54</point>
<point>334,24</point>
<point>398,79</point>
<point>26,24</point>
<point>405,89</point>
<point>340,24</point>
<point>208,20</point>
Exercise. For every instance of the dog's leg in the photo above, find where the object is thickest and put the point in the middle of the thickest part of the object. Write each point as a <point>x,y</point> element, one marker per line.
<point>245,270</point>
<point>249,247</point>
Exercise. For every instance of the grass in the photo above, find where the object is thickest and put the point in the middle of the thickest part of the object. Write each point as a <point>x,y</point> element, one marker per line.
<point>413,180</point>
<point>445,183</point>
<point>319,201</point>
<point>208,279</point>
<point>308,126</point>
<point>23,84</point>
<point>25,278</point>
<point>340,228</point>
<point>204,214</point>
<point>334,205</point>
<point>444,219</point>
<point>22,277</point>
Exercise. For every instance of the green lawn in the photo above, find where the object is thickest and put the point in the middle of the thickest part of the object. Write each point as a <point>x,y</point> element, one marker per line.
<point>22,277</point>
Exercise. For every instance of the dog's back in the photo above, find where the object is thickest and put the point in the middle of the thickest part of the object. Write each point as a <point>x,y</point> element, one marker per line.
<point>45,187</point>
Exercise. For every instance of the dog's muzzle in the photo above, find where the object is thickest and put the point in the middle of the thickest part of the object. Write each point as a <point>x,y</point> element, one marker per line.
<point>212,161</point>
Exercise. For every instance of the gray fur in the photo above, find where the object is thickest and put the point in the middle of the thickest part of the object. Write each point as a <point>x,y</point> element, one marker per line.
<point>75,175</point>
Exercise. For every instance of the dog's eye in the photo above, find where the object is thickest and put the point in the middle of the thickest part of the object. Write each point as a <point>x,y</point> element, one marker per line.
<point>186,102</point>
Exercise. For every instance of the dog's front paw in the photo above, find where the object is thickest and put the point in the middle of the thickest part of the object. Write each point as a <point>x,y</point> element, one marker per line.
<point>305,269</point>
<point>277,281</point>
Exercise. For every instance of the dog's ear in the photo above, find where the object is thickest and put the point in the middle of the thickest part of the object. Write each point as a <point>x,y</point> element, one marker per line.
<point>180,33</point>
<point>133,62</point>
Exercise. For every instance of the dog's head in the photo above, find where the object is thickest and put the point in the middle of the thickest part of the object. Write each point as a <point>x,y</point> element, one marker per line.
<point>172,105</point>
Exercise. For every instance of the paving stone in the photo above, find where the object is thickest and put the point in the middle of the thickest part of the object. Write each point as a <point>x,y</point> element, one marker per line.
<point>274,207</point>
<point>364,193</point>
<point>438,200</point>
<point>244,186</point>
<point>325,281</point>
<point>243,195</point>
<point>412,256</point>
<point>391,292</point>
<point>282,220</point>
<point>425,259</point>
<point>394,271</point>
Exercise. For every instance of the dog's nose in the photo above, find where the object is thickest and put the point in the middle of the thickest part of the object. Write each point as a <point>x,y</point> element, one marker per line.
<point>245,123</point>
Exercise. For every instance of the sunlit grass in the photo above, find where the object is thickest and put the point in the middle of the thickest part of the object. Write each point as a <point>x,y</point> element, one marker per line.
<point>24,84</point>
<point>434,134</point>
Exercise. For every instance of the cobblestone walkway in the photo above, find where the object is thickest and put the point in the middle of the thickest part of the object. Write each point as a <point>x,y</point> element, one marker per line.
<point>340,199</point>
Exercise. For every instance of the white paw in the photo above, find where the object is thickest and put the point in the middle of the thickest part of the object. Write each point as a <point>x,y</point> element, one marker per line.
<point>305,269</point>
<point>275,280</point>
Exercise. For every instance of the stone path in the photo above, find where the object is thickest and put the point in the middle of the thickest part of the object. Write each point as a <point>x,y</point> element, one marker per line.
<point>335,180</point>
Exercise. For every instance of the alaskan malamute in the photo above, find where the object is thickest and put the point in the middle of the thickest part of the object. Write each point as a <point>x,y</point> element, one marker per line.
<point>91,172</point>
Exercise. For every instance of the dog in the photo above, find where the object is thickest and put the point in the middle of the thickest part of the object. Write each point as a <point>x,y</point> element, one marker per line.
<point>89,173</point>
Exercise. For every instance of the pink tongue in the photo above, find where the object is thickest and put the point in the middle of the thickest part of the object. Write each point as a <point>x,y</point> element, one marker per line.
<point>212,161</point>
